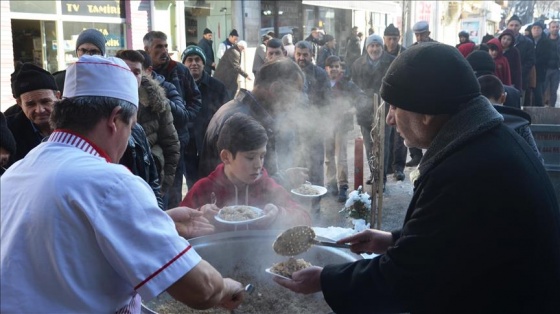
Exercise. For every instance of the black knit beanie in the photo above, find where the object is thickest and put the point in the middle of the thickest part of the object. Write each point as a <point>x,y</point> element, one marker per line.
<point>391,30</point>
<point>481,63</point>
<point>7,140</point>
<point>31,77</point>
<point>431,78</point>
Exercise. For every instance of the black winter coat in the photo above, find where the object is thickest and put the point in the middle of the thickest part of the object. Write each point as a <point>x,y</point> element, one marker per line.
<point>139,160</point>
<point>206,46</point>
<point>527,53</point>
<point>544,48</point>
<point>481,235</point>
<point>368,78</point>
<point>25,133</point>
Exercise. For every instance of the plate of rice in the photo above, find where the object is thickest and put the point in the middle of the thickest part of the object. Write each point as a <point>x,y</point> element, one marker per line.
<point>309,190</point>
<point>239,214</point>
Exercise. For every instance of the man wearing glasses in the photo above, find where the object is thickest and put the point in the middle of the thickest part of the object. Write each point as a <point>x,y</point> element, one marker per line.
<point>90,42</point>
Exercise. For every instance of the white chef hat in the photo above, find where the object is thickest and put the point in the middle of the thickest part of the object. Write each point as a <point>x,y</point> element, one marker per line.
<point>100,76</point>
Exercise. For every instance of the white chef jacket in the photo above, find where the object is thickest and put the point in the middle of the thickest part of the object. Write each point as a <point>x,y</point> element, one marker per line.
<point>79,234</point>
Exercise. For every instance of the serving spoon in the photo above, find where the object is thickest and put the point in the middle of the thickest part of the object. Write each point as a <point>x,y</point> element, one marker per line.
<point>299,239</point>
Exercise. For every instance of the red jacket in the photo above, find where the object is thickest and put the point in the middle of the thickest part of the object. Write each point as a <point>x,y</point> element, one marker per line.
<point>502,64</point>
<point>263,191</point>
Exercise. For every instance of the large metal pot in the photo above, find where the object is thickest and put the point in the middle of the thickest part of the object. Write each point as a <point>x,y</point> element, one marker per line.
<point>244,256</point>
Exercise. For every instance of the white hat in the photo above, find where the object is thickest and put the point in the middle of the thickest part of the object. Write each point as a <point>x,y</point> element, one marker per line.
<point>100,76</point>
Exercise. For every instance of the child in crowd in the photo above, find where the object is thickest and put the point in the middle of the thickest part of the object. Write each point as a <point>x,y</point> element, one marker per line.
<point>502,64</point>
<point>241,180</point>
<point>516,119</point>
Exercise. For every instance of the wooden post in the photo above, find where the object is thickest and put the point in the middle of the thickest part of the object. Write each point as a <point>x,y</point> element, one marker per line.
<point>358,162</point>
<point>378,138</point>
<point>381,184</point>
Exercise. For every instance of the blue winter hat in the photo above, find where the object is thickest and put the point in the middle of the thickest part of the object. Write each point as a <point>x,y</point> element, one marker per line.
<point>374,39</point>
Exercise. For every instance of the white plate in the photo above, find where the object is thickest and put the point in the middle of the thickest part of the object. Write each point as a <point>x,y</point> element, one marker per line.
<point>321,189</point>
<point>268,270</point>
<point>255,209</point>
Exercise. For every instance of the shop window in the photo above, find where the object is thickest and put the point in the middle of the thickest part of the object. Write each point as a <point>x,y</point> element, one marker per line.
<point>43,6</point>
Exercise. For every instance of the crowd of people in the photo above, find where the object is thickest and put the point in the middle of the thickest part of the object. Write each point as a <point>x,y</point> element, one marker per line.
<point>94,217</point>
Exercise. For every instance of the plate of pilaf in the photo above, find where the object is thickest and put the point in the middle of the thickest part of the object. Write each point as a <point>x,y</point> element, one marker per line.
<point>239,214</point>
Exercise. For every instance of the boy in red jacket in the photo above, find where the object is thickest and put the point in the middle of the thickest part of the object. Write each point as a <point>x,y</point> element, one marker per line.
<point>242,180</point>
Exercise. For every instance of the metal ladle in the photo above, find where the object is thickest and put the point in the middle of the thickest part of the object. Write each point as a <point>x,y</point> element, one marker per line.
<point>297,240</point>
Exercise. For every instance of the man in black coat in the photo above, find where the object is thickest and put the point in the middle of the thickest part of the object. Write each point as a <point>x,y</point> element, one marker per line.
<point>544,50</point>
<point>36,92</point>
<point>205,44</point>
<point>478,236</point>
<point>526,52</point>
<point>214,95</point>
<point>367,73</point>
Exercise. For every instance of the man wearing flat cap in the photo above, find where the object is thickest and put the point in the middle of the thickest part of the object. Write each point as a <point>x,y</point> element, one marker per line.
<point>214,95</point>
<point>80,232</point>
<point>90,42</point>
<point>36,92</point>
<point>205,44</point>
<point>471,242</point>
<point>422,32</point>
<point>367,73</point>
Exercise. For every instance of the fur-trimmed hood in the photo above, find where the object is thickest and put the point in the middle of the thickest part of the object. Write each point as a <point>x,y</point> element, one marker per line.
<point>152,95</point>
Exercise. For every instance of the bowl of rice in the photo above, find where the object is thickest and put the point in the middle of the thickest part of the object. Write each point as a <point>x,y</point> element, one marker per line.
<point>239,214</point>
<point>309,190</point>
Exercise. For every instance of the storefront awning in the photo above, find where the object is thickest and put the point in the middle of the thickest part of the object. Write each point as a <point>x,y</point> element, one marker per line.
<point>387,7</point>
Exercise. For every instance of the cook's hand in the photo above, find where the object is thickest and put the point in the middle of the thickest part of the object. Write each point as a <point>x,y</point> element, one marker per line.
<point>233,294</point>
<point>305,281</point>
<point>270,214</point>
<point>190,222</point>
<point>369,241</point>
<point>297,176</point>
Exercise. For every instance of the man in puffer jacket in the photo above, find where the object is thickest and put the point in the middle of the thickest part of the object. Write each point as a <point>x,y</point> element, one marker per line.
<point>154,115</point>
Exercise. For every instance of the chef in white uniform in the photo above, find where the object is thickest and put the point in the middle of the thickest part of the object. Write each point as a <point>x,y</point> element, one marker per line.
<point>79,232</point>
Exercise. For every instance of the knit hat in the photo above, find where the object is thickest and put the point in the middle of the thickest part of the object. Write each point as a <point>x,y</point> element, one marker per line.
<point>421,27</point>
<point>13,77</point>
<point>374,39</point>
<point>94,37</point>
<point>234,33</point>
<point>7,140</point>
<point>100,76</point>
<point>539,24</point>
<point>431,78</point>
<point>31,77</point>
<point>481,62</point>
<point>328,38</point>
<point>391,30</point>
<point>464,34</point>
<point>515,18</point>
<point>507,32</point>
<point>206,31</point>
<point>193,50</point>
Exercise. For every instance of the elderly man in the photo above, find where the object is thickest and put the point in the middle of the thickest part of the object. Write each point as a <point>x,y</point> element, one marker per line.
<point>99,242</point>
<point>155,44</point>
<point>422,32</point>
<point>275,95</point>
<point>367,73</point>
<point>90,42</point>
<point>510,219</point>
<point>214,95</point>
<point>260,54</point>
<point>229,68</point>
<point>36,92</point>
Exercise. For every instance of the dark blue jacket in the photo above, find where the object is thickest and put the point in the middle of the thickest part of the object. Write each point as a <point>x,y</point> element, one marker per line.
<point>26,134</point>
<point>177,74</point>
